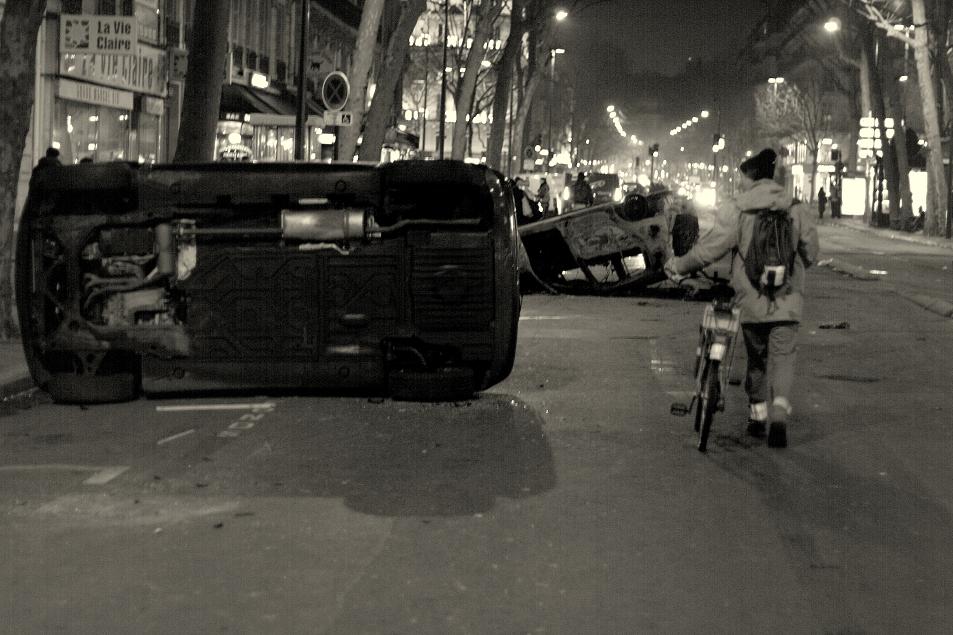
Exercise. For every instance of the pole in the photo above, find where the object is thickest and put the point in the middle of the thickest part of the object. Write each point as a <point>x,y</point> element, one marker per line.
<point>552,80</point>
<point>714,174</point>
<point>441,134</point>
<point>423,123</point>
<point>301,117</point>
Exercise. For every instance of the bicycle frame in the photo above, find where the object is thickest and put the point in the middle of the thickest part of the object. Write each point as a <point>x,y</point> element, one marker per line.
<point>716,341</point>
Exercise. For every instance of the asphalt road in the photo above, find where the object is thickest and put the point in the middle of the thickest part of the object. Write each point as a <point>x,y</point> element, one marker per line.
<point>565,500</point>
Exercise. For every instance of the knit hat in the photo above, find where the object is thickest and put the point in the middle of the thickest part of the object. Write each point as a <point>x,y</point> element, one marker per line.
<point>760,166</point>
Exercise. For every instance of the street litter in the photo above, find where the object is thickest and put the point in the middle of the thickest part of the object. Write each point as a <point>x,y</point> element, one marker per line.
<point>834,325</point>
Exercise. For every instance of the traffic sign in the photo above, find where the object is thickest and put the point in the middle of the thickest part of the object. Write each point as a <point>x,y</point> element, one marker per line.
<point>341,118</point>
<point>334,90</point>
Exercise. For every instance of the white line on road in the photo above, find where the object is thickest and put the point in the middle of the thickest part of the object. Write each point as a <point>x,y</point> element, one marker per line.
<point>209,407</point>
<point>175,436</point>
<point>103,474</point>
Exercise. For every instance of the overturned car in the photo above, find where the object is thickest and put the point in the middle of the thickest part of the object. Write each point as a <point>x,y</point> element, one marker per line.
<point>608,248</point>
<point>399,279</point>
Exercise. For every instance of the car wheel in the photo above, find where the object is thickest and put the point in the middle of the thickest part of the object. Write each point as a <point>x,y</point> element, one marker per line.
<point>684,233</point>
<point>444,384</point>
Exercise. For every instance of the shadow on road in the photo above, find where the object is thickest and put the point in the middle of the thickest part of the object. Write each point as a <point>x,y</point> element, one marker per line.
<point>387,458</point>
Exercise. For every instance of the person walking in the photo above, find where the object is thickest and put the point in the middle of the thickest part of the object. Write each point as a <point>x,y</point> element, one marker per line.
<point>582,192</point>
<point>543,197</point>
<point>769,320</point>
<point>821,203</point>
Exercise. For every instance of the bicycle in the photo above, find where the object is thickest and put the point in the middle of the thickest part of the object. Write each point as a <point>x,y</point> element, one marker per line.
<point>718,332</point>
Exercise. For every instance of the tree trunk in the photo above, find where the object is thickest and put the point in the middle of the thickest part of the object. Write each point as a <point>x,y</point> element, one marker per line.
<point>522,113</point>
<point>501,94</point>
<point>486,17</point>
<point>359,75</point>
<point>203,82</point>
<point>866,105</point>
<point>390,73</point>
<point>19,28</point>
<point>936,202</point>
<point>895,105</point>
<point>879,110</point>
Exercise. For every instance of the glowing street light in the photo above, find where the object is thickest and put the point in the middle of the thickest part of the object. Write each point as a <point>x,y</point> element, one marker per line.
<point>704,114</point>
<point>561,15</point>
<point>694,119</point>
<point>610,108</point>
<point>832,25</point>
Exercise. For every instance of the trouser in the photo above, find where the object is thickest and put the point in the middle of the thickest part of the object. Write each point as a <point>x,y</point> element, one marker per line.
<point>772,350</point>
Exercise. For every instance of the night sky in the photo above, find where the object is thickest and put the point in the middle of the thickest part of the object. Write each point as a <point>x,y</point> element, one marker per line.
<point>660,35</point>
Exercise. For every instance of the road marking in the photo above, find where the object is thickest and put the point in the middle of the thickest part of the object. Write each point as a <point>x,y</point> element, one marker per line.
<point>548,317</point>
<point>104,476</point>
<point>175,436</point>
<point>211,407</point>
<point>101,476</point>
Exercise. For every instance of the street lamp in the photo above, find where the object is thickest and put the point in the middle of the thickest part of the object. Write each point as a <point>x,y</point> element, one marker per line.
<point>832,25</point>
<point>552,81</point>
<point>561,15</point>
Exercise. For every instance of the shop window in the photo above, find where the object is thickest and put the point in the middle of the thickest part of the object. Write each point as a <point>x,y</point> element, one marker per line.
<point>238,59</point>
<point>281,70</point>
<point>85,131</point>
<point>106,7</point>
<point>73,6</point>
<point>264,64</point>
<point>147,15</point>
<point>252,60</point>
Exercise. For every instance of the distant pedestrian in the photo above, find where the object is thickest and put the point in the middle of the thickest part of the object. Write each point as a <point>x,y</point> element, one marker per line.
<point>772,303</point>
<point>49,160</point>
<point>524,206</point>
<point>543,197</point>
<point>821,203</point>
<point>836,203</point>
<point>582,194</point>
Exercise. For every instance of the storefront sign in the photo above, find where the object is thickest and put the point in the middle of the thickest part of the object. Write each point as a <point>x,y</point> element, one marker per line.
<point>98,34</point>
<point>92,94</point>
<point>145,72</point>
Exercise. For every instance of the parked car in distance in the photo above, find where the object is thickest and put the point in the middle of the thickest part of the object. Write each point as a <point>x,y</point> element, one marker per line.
<point>399,279</point>
<point>606,188</point>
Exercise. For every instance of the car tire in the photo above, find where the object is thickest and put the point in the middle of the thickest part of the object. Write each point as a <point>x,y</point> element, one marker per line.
<point>445,384</point>
<point>92,389</point>
<point>684,233</point>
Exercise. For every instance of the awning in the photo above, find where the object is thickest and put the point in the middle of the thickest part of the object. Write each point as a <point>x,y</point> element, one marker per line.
<point>262,107</point>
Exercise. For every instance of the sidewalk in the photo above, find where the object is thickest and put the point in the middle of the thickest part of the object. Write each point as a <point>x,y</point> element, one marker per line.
<point>14,376</point>
<point>856,223</point>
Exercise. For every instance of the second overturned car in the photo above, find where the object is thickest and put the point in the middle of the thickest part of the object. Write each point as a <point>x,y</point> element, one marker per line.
<point>608,248</point>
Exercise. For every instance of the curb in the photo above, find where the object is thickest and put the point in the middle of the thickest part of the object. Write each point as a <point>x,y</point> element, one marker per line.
<point>931,304</point>
<point>891,234</point>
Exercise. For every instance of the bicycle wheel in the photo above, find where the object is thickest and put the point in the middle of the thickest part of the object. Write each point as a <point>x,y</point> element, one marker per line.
<point>707,403</point>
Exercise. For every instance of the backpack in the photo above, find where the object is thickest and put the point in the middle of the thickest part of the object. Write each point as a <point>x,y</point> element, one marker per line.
<point>769,262</point>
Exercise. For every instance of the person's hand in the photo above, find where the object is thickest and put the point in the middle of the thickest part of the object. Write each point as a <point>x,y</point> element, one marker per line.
<point>671,273</point>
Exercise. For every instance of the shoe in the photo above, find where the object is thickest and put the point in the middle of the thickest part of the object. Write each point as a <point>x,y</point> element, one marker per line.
<point>756,428</point>
<point>778,435</point>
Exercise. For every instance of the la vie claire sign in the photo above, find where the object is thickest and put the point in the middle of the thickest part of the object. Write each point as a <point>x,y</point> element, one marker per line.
<point>98,34</point>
